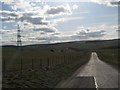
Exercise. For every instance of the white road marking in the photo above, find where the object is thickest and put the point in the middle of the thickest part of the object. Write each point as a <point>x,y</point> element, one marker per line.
<point>96,83</point>
<point>101,71</point>
<point>104,75</point>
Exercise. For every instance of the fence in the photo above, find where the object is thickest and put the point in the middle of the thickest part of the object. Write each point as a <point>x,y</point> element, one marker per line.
<point>37,64</point>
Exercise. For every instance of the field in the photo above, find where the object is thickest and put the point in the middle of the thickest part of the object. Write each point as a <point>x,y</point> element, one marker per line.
<point>44,66</point>
<point>110,56</point>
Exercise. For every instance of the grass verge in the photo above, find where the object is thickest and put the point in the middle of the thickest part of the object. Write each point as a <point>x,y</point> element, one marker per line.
<point>43,78</point>
<point>110,56</point>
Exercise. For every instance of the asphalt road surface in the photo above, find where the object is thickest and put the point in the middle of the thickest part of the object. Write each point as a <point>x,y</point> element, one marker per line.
<point>95,74</point>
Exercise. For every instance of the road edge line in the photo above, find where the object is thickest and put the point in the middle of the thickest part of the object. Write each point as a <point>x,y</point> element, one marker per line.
<point>96,86</point>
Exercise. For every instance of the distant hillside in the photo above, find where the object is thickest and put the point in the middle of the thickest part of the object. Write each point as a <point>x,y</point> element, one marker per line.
<point>79,42</point>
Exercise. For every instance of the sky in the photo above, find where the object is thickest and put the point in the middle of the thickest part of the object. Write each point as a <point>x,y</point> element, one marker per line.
<point>53,21</point>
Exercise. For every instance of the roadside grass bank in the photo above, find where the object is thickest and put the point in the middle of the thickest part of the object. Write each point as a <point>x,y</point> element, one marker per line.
<point>44,66</point>
<point>110,56</point>
<point>44,78</point>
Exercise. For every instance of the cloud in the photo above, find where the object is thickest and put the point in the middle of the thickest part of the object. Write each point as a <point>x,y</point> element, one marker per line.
<point>115,3</point>
<point>75,7</point>
<point>87,35</point>
<point>46,29</point>
<point>47,38</point>
<point>33,20</point>
<point>65,19</point>
<point>104,31</point>
<point>19,5</point>
<point>8,36</point>
<point>7,1</point>
<point>31,17</point>
<point>56,33</point>
<point>41,27</point>
<point>28,4</point>
<point>59,10</point>
<point>106,2</point>
<point>8,13</point>
<point>4,19</point>
<point>49,34</point>
<point>8,16</point>
<point>94,34</point>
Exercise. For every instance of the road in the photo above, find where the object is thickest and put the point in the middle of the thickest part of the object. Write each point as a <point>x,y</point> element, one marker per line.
<point>95,74</point>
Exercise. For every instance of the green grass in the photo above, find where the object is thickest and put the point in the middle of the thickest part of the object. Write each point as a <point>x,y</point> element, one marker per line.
<point>43,78</point>
<point>12,58</point>
<point>66,59</point>
<point>110,56</point>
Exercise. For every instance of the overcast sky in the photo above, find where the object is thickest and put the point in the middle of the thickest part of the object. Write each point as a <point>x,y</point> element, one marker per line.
<point>50,22</point>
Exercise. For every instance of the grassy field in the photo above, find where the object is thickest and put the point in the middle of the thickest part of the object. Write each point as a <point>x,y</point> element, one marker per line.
<point>110,56</point>
<point>37,55</point>
<point>44,66</point>
<point>41,78</point>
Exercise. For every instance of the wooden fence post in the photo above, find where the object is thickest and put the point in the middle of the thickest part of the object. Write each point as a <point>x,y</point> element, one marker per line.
<point>21,66</point>
<point>55,60</point>
<point>51,62</point>
<point>48,63</point>
<point>64,59</point>
<point>67,59</point>
<point>4,68</point>
<point>32,64</point>
<point>58,60</point>
<point>40,63</point>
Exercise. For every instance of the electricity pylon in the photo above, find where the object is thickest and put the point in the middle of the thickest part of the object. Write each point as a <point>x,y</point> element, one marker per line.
<point>19,42</point>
